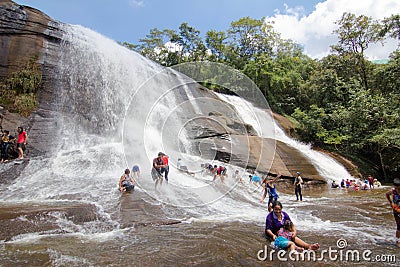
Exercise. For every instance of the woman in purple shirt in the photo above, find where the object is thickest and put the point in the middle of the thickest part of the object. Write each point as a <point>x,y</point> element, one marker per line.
<point>275,221</point>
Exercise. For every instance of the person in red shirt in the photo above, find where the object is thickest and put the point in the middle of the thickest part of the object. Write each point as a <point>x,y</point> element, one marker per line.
<point>371,182</point>
<point>221,172</point>
<point>166,166</point>
<point>21,142</point>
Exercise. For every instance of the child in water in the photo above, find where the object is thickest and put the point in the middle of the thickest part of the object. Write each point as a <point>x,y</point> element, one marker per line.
<point>285,239</point>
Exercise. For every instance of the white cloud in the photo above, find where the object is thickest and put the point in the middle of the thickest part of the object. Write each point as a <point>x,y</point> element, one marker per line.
<point>314,31</point>
<point>136,3</point>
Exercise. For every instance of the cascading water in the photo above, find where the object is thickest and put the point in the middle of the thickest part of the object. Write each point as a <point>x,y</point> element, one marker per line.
<point>260,120</point>
<point>117,109</point>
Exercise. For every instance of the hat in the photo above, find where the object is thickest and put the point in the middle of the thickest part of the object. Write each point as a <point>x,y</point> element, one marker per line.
<point>160,154</point>
<point>298,172</point>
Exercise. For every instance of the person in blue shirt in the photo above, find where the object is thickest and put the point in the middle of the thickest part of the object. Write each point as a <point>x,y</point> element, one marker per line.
<point>270,188</point>
<point>255,179</point>
<point>136,171</point>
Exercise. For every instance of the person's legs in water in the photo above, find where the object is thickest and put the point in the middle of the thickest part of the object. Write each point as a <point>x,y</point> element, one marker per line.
<point>270,199</point>
<point>157,177</point>
<point>297,191</point>
<point>305,245</point>
<point>397,219</point>
<point>21,148</point>
<point>166,171</point>
<point>2,155</point>
<point>6,151</point>
<point>158,182</point>
<point>292,246</point>
<point>301,195</point>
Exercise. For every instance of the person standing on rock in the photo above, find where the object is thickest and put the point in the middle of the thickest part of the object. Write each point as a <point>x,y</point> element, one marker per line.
<point>6,140</point>
<point>270,189</point>
<point>21,142</point>
<point>297,187</point>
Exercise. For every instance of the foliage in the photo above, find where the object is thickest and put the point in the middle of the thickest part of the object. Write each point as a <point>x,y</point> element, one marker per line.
<point>25,104</point>
<point>392,26</point>
<point>355,35</point>
<point>19,91</point>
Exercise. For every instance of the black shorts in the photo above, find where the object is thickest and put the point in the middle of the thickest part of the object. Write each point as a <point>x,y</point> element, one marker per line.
<point>129,187</point>
<point>271,199</point>
<point>22,146</point>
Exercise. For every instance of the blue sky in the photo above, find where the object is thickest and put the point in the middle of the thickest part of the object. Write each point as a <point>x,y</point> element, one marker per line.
<point>308,22</point>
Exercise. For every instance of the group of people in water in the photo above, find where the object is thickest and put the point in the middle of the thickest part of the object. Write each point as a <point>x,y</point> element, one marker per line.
<point>13,145</point>
<point>357,184</point>
<point>215,171</point>
<point>159,172</point>
<point>279,227</point>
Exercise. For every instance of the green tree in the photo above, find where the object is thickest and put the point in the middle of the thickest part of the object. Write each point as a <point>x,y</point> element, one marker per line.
<point>388,149</point>
<point>392,26</point>
<point>355,35</point>
<point>216,43</point>
<point>193,48</point>
<point>249,38</point>
<point>154,46</point>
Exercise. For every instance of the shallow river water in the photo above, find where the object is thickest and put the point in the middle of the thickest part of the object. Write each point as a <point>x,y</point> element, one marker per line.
<point>353,228</point>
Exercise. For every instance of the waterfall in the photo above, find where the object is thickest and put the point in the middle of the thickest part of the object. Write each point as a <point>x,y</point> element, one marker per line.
<point>328,168</point>
<point>117,109</point>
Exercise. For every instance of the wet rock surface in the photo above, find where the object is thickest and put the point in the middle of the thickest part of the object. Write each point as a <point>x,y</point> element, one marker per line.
<point>136,210</point>
<point>17,220</point>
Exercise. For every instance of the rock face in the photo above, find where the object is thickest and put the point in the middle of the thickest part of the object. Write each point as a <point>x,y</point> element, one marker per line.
<point>248,151</point>
<point>26,32</point>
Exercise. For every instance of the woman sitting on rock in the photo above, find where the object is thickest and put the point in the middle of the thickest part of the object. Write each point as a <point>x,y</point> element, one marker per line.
<point>276,220</point>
